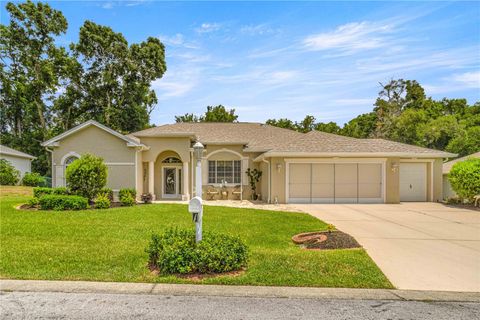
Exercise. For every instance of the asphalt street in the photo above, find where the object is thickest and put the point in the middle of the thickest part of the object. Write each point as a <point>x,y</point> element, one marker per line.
<point>57,305</point>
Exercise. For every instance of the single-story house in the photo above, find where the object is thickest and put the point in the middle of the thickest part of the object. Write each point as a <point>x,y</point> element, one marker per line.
<point>314,167</point>
<point>20,160</point>
<point>447,166</point>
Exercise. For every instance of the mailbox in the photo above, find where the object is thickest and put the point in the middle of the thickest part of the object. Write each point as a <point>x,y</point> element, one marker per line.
<point>195,207</point>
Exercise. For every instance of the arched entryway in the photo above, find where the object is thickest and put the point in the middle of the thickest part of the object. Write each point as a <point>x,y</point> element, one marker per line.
<point>169,176</point>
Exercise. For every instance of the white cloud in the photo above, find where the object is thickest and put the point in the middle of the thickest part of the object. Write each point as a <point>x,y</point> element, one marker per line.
<point>208,27</point>
<point>468,79</point>
<point>107,5</point>
<point>177,40</point>
<point>350,37</point>
<point>259,29</point>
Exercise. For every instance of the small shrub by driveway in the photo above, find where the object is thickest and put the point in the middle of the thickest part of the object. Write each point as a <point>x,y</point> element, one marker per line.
<point>109,245</point>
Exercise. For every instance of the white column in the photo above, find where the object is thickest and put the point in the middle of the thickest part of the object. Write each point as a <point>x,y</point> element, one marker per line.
<point>151,174</point>
<point>198,179</point>
<point>186,194</point>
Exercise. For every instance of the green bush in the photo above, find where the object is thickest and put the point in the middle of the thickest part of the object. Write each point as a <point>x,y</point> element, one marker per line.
<point>9,176</point>
<point>107,192</point>
<point>102,202</point>
<point>175,251</point>
<point>62,202</point>
<point>41,191</point>
<point>33,179</point>
<point>86,176</point>
<point>124,192</point>
<point>465,178</point>
<point>127,200</point>
<point>33,202</point>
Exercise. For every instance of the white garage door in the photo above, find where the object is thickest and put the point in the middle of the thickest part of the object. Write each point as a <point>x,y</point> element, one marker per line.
<point>335,183</point>
<point>413,181</point>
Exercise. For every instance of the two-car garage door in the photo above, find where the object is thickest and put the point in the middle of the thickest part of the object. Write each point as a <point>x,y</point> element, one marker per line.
<point>335,183</point>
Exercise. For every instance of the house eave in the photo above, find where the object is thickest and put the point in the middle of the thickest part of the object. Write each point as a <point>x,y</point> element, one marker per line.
<point>355,155</point>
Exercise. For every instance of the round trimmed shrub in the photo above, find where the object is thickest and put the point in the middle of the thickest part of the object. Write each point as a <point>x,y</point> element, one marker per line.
<point>102,202</point>
<point>86,176</point>
<point>9,176</point>
<point>33,179</point>
<point>465,178</point>
<point>175,251</point>
<point>127,200</point>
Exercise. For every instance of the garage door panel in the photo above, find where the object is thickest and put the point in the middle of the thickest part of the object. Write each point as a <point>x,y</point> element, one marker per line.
<point>370,182</point>
<point>345,182</point>
<point>323,183</point>
<point>335,182</point>
<point>300,182</point>
<point>413,181</point>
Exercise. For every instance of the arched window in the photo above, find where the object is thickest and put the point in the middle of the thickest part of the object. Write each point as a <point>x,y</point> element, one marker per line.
<point>69,160</point>
<point>172,160</point>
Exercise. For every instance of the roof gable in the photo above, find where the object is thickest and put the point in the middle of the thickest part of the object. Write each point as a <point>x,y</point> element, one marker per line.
<point>54,141</point>
<point>15,153</point>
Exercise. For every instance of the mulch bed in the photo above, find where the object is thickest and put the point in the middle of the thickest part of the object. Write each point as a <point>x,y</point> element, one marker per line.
<point>198,276</point>
<point>326,240</point>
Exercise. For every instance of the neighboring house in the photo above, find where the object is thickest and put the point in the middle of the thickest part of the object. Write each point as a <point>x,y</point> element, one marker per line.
<point>447,166</point>
<point>314,167</point>
<point>20,160</point>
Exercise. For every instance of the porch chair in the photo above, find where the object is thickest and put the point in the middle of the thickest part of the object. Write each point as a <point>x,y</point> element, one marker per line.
<point>237,192</point>
<point>212,192</point>
<point>477,200</point>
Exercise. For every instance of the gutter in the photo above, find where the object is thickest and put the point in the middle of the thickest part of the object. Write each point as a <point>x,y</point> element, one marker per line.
<point>356,155</point>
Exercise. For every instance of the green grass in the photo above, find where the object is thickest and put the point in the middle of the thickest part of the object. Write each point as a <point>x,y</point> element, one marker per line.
<point>108,245</point>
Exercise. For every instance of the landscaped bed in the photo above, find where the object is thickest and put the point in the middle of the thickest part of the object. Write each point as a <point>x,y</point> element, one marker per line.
<point>109,245</point>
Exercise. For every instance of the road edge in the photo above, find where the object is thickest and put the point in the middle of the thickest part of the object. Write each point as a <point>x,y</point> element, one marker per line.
<point>7,285</point>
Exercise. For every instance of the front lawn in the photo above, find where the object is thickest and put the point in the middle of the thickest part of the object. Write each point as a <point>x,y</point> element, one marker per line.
<point>108,245</point>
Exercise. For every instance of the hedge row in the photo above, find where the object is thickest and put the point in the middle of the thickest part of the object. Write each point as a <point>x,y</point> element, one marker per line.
<point>62,202</point>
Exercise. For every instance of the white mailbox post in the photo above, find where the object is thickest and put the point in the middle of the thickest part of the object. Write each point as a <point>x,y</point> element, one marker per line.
<point>195,207</point>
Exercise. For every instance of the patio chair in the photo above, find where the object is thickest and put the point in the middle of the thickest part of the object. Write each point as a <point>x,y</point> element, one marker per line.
<point>224,193</point>
<point>211,193</point>
<point>237,192</point>
<point>477,199</point>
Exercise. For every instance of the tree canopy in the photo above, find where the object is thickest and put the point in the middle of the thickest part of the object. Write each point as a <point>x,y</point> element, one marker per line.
<point>402,112</point>
<point>47,89</point>
<point>213,114</point>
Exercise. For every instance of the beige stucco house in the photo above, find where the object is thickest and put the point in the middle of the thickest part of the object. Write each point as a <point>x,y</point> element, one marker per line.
<point>313,167</point>
<point>20,160</point>
<point>447,166</point>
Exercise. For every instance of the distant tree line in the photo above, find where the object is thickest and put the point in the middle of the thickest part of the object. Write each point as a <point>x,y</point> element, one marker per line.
<point>47,89</point>
<point>403,113</point>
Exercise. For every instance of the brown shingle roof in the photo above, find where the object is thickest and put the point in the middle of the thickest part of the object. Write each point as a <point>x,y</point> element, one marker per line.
<point>262,138</point>
<point>319,142</point>
<point>447,166</point>
<point>257,136</point>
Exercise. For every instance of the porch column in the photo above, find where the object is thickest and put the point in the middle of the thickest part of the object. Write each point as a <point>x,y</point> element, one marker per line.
<point>186,194</point>
<point>151,174</point>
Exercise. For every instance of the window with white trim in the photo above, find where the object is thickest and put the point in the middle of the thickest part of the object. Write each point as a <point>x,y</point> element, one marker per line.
<point>224,171</point>
<point>69,160</point>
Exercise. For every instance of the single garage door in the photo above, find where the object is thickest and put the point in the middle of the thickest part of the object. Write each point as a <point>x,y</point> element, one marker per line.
<point>335,183</point>
<point>413,181</point>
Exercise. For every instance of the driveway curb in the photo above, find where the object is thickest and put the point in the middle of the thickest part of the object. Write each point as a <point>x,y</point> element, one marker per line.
<point>234,291</point>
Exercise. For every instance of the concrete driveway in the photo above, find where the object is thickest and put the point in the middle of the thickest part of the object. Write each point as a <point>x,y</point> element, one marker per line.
<point>419,246</point>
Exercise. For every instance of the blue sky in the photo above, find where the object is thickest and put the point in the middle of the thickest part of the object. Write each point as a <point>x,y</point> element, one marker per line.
<point>285,59</point>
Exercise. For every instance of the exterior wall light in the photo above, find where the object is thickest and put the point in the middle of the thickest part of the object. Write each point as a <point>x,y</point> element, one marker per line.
<point>198,150</point>
<point>394,166</point>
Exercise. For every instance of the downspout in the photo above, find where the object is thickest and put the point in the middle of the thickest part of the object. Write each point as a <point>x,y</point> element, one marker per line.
<point>269,179</point>
<point>191,173</point>
<point>51,161</point>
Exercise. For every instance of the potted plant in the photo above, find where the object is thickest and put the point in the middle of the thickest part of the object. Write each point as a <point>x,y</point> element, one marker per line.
<point>253,177</point>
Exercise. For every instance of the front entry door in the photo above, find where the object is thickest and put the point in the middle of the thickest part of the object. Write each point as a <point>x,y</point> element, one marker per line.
<point>171,182</point>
